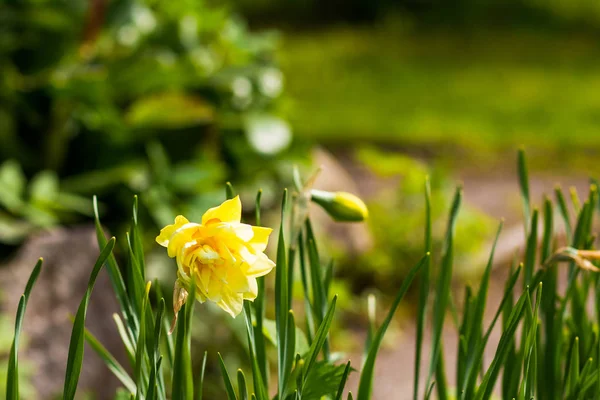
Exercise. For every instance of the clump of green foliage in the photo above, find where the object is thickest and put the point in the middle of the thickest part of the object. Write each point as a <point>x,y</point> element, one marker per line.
<point>549,346</point>
<point>163,98</point>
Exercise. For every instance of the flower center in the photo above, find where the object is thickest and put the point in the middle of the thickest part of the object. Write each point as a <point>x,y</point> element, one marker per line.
<point>208,256</point>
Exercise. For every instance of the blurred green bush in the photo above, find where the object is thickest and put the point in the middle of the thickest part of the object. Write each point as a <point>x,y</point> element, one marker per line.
<point>112,97</point>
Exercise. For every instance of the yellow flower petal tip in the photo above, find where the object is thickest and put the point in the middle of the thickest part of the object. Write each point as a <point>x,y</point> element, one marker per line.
<point>221,256</point>
<point>341,206</point>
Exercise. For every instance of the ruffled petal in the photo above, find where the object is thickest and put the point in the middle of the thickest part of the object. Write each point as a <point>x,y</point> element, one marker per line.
<point>252,289</point>
<point>244,232</point>
<point>180,237</point>
<point>167,231</point>
<point>232,303</point>
<point>260,238</point>
<point>229,211</point>
<point>262,266</point>
<point>236,280</point>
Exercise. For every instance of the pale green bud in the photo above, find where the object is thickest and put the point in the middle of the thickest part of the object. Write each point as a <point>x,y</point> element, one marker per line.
<point>341,206</point>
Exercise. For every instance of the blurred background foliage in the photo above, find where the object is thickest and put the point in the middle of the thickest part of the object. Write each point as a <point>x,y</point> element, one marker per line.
<point>165,99</point>
<point>169,99</point>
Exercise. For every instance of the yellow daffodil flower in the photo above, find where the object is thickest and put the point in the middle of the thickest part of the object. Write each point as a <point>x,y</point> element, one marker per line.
<point>221,255</point>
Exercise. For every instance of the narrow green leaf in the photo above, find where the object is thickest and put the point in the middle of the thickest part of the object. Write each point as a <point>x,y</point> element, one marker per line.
<point>547,385</point>
<point>136,239</point>
<point>281,300</point>
<point>129,348</point>
<point>328,278</point>
<point>156,357</point>
<point>242,390</point>
<point>228,385</point>
<point>200,389</point>
<point>429,391</point>
<point>423,292</point>
<point>12,376</point>
<point>135,278</point>
<point>259,315</point>
<point>116,279</point>
<point>75,357</point>
<point>165,324</point>
<point>259,386</point>
<point>489,380</point>
<point>529,346</point>
<point>475,364</point>
<point>229,192</point>
<point>524,185</point>
<point>340,391</point>
<point>316,278</point>
<point>365,385</point>
<point>530,251</point>
<point>443,285</point>
<point>140,350</point>
<point>152,390</point>
<point>290,350</point>
<point>440,376</point>
<point>575,199</point>
<point>480,302</point>
<point>182,382</point>
<point>572,370</point>
<point>564,211</point>
<point>308,305</point>
<point>319,340</point>
<point>112,364</point>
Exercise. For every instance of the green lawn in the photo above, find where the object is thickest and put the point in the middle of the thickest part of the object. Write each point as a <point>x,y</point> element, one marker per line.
<point>482,92</point>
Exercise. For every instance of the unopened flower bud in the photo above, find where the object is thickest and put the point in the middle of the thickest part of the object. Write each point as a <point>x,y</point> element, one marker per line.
<point>180,295</point>
<point>341,206</point>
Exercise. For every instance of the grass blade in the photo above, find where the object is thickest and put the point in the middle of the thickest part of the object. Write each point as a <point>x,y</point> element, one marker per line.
<point>259,386</point>
<point>530,251</point>
<point>227,380</point>
<point>564,211</point>
<point>242,389</point>
<point>365,385</point>
<point>474,367</point>
<point>200,389</point>
<point>489,380</point>
<point>423,291</point>
<point>281,300</point>
<point>258,338</point>
<point>12,376</point>
<point>75,358</point>
<point>524,186</point>
<point>112,364</point>
<point>182,381</point>
<point>116,279</point>
<point>443,285</point>
<point>290,343</point>
<point>316,278</point>
<point>572,370</point>
<point>340,391</point>
<point>319,340</point>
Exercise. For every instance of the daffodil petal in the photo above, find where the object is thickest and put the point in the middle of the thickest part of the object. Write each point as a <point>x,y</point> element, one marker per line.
<point>244,232</point>
<point>260,238</point>
<point>180,237</point>
<point>167,231</point>
<point>229,211</point>
<point>231,303</point>
<point>262,266</point>
<point>252,289</point>
<point>237,280</point>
